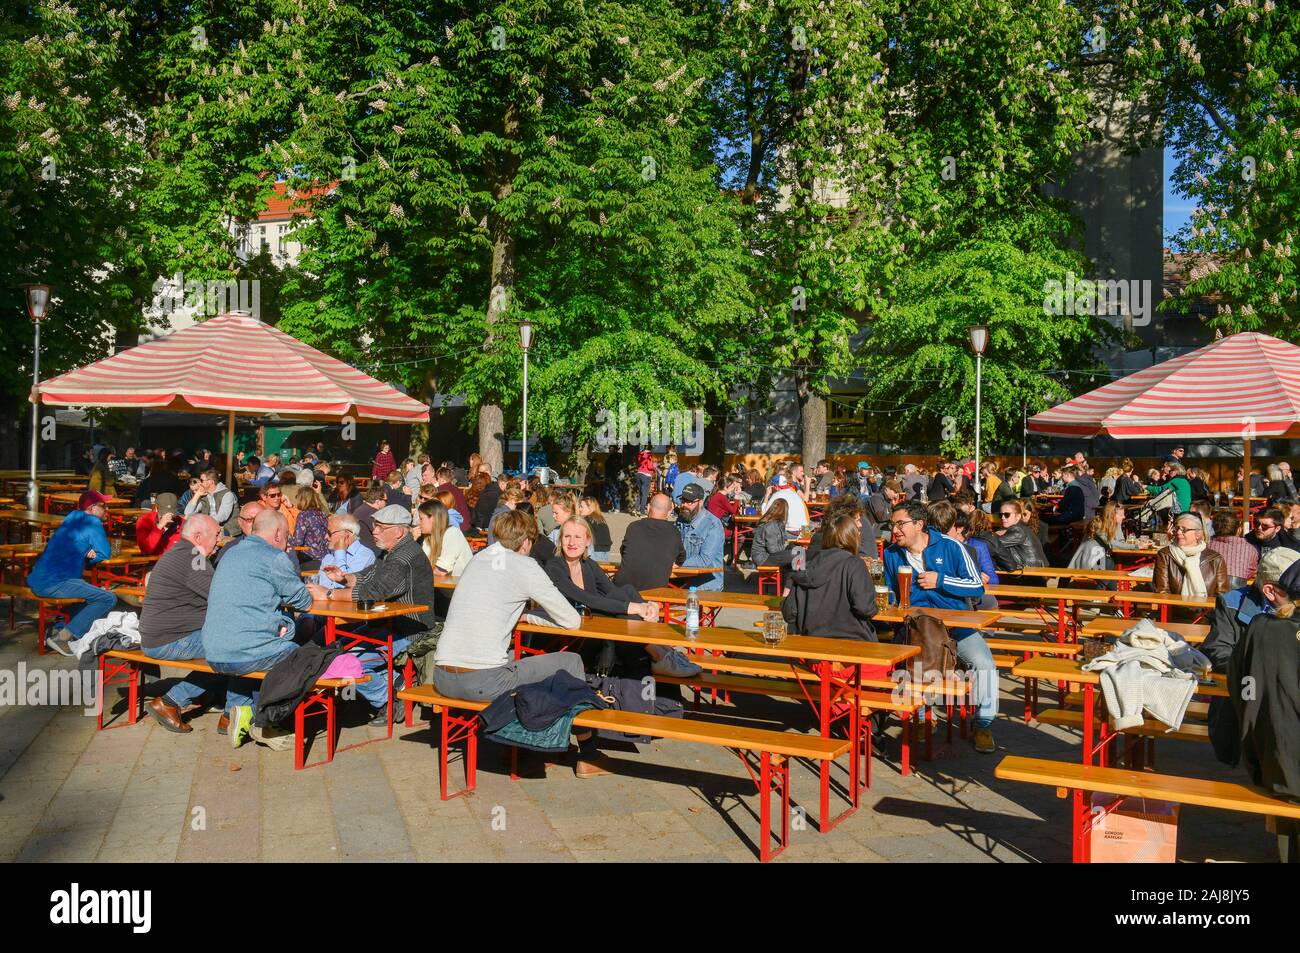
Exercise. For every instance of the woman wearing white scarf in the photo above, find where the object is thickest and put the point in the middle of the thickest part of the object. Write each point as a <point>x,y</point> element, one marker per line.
<point>1186,567</point>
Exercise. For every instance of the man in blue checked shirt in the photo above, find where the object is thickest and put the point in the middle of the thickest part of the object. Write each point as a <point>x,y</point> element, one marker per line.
<point>346,550</point>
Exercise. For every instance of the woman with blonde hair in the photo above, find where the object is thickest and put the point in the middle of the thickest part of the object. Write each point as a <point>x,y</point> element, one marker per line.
<point>563,507</point>
<point>586,586</point>
<point>601,542</point>
<point>444,544</point>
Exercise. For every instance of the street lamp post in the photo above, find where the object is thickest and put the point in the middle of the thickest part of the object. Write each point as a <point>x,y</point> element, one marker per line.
<point>1024,436</point>
<point>526,341</point>
<point>979,339</point>
<point>38,300</point>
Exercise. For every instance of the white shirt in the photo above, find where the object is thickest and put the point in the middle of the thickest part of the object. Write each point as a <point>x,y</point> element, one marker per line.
<point>455,555</point>
<point>796,517</point>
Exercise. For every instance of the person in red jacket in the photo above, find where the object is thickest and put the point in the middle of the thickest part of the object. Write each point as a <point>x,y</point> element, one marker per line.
<point>384,464</point>
<point>158,530</point>
<point>724,505</point>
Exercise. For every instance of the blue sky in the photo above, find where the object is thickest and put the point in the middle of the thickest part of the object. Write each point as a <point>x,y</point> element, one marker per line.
<point>1178,210</point>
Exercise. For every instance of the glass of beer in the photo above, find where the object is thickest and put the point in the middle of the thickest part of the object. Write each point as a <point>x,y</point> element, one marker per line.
<point>904,586</point>
<point>773,628</point>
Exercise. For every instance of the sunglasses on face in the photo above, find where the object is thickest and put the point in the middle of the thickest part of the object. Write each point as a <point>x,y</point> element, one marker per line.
<point>1007,516</point>
<point>274,496</point>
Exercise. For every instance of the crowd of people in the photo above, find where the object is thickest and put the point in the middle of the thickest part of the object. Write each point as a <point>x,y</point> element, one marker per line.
<point>246,574</point>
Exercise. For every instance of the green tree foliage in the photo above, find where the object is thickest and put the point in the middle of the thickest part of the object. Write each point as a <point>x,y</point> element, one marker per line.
<point>1228,75</point>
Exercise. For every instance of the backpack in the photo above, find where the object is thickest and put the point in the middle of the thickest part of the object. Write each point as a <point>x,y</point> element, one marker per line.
<point>938,650</point>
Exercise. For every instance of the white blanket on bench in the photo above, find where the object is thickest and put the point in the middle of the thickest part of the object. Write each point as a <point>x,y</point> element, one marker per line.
<point>1148,670</point>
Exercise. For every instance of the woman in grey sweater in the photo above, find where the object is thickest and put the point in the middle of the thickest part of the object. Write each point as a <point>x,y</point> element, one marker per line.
<point>771,545</point>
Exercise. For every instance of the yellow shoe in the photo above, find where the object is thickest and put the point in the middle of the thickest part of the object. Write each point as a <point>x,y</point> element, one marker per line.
<point>984,741</point>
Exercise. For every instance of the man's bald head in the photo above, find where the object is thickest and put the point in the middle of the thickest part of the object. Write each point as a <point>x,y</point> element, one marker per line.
<point>661,505</point>
<point>272,527</point>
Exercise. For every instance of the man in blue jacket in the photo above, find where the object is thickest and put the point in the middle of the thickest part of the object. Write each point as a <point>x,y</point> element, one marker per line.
<point>944,576</point>
<point>703,536</point>
<point>245,628</point>
<point>79,541</point>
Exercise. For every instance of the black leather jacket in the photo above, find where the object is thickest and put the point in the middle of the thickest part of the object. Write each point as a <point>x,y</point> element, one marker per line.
<point>1018,548</point>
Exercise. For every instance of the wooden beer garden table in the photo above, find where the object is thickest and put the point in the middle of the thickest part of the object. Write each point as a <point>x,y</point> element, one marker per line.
<point>1139,557</point>
<point>69,501</point>
<point>1193,633</point>
<point>1071,670</point>
<point>333,611</point>
<point>1062,597</point>
<point>1121,576</point>
<point>45,521</point>
<point>838,664</point>
<point>742,525</point>
<point>710,602</point>
<point>1164,600</point>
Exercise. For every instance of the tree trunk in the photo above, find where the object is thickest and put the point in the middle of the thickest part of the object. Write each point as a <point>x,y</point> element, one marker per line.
<point>491,417</point>
<point>812,420</point>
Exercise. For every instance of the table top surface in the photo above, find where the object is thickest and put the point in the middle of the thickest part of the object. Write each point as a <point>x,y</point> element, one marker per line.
<point>715,600</point>
<point>339,609</point>
<point>1191,632</point>
<point>961,618</point>
<point>1071,670</point>
<point>74,497</point>
<point>1163,599</point>
<point>31,516</point>
<point>1050,572</point>
<point>1051,593</point>
<point>847,651</point>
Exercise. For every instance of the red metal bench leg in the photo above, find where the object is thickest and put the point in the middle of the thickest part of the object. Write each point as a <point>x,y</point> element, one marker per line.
<point>40,628</point>
<point>906,752</point>
<point>771,778</point>
<point>408,675</point>
<point>299,734</point>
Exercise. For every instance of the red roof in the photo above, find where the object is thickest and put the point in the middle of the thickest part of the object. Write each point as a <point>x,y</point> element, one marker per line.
<point>281,208</point>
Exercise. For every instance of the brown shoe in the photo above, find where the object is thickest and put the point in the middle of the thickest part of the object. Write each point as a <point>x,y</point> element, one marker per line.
<point>594,767</point>
<point>223,724</point>
<point>169,716</point>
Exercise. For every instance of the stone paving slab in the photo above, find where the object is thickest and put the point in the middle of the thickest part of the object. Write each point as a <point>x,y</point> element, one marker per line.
<point>142,794</point>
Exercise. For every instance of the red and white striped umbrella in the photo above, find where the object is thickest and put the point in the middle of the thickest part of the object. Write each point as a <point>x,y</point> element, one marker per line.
<point>1245,386</point>
<point>233,364</point>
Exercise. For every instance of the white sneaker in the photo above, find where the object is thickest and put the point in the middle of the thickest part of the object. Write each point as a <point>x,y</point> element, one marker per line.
<point>676,665</point>
<point>59,642</point>
<point>277,739</point>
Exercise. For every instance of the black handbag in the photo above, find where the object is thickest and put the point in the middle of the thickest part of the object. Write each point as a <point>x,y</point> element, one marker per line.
<point>633,694</point>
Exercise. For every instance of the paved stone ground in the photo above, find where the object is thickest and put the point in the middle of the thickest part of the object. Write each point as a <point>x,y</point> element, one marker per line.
<point>68,793</point>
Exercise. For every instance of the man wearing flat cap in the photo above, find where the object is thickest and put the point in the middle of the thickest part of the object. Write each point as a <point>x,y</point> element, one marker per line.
<point>402,573</point>
<point>157,530</point>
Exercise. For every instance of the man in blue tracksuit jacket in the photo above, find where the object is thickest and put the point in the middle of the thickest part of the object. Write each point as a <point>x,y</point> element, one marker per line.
<point>944,576</point>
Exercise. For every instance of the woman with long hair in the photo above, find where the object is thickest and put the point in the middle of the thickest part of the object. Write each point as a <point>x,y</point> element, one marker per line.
<point>586,586</point>
<point>1099,539</point>
<point>477,484</point>
<point>443,543</point>
<point>770,545</point>
<point>834,597</point>
<point>101,474</point>
<point>1021,548</point>
<point>601,542</point>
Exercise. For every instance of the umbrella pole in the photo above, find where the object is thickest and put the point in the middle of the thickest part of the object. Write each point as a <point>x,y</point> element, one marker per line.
<point>1245,489</point>
<point>230,449</point>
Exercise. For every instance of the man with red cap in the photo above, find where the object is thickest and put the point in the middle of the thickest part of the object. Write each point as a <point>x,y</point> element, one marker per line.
<point>79,541</point>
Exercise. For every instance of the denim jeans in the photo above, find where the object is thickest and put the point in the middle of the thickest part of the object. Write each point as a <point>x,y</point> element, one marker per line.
<point>194,685</point>
<point>642,491</point>
<point>375,665</point>
<point>974,652</point>
<point>99,603</point>
<point>243,691</point>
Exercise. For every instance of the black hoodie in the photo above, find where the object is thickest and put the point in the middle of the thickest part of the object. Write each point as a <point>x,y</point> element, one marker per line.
<point>833,598</point>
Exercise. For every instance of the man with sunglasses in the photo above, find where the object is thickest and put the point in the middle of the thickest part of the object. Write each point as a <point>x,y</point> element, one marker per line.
<point>944,576</point>
<point>1267,534</point>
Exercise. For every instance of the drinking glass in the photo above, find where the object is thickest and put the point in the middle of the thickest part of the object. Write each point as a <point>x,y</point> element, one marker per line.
<point>773,628</point>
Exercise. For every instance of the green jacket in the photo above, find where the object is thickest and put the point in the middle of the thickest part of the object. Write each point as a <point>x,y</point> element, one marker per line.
<point>1182,492</point>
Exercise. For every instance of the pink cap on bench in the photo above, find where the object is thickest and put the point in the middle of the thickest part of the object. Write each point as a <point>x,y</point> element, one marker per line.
<point>345,665</point>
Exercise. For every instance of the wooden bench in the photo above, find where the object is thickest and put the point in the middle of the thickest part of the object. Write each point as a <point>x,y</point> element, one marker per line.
<point>1140,740</point>
<point>1078,780</point>
<point>47,608</point>
<point>459,722</point>
<point>769,577</point>
<point>122,666</point>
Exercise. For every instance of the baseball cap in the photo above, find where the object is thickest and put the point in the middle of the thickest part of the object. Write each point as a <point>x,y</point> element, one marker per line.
<point>692,493</point>
<point>1281,564</point>
<point>166,503</point>
<point>393,514</point>
<point>864,465</point>
<point>90,498</point>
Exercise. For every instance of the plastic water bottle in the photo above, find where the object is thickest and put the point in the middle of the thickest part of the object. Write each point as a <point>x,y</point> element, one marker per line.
<point>692,613</point>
